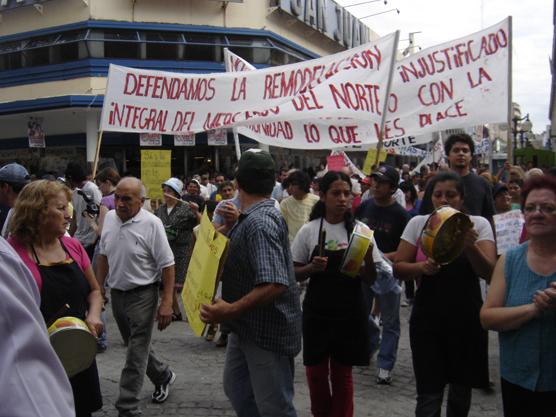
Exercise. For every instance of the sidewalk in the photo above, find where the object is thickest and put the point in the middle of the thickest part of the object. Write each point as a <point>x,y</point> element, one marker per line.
<point>198,388</point>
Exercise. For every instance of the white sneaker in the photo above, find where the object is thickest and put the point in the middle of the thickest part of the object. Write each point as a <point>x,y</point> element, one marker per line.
<point>383,377</point>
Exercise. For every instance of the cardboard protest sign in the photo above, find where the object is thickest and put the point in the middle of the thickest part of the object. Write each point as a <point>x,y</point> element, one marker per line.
<point>508,228</point>
<point>208,257</point>
<point>370,160</point>
<point>335,162</point>
<point>350,86</point>
<point>155,169</point>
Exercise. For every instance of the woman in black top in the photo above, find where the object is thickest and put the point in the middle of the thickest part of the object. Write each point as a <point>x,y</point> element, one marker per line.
<point>335,312</point>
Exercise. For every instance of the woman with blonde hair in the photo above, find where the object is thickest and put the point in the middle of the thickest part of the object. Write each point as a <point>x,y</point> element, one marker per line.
<point>62,271</point>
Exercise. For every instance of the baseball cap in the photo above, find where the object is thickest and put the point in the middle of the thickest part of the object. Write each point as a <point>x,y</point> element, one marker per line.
<point>14,174</point>
<point>175,184</point>
<point>499,188</point>
<point>366,181</point>
<point>256,160</point>
<point>387,173</point>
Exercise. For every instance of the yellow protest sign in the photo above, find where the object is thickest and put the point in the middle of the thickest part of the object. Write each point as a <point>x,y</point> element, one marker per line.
<point>370,160</point>
<point>204,269</point>
<point>155,169</point>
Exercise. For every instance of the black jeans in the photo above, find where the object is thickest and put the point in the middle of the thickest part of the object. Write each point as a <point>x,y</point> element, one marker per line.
<point>459,402</point>
<point>519,402</point>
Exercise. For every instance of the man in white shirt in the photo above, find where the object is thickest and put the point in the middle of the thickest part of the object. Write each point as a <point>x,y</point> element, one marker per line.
<point>32,378</point>
<point>134,249</point>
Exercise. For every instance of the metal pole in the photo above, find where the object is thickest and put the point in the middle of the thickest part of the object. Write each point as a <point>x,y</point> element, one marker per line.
<point>510,107</point>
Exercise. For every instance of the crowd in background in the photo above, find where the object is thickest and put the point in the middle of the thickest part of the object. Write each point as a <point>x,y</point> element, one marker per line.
<point>95,241</point>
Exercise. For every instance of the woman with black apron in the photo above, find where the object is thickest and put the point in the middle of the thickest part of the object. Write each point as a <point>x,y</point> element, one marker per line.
<point>62,270</point>
<point>448,344</point>
<point>335,312</point>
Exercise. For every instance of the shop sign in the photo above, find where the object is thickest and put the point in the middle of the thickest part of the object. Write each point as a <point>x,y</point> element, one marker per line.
<point>13,4</point>
<point>329,18</point>
<point>217,137</point>
<point>187,139</point>
<point>35,133</point>
<point>150,139</point>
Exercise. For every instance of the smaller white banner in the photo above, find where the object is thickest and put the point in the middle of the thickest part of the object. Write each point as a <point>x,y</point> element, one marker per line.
<point>150,139</point>
<point>217,137</point>
<point>187,139</point>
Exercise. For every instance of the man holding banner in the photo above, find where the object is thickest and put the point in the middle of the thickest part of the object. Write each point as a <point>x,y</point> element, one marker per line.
<point>260,300</point>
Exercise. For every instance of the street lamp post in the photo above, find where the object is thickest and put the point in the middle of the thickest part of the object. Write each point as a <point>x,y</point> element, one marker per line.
<point>525,126</point>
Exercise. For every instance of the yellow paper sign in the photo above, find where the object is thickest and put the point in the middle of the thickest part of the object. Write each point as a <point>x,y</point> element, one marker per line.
<point>155,169</point>
<point>204,269</point>
<point>371,158</point>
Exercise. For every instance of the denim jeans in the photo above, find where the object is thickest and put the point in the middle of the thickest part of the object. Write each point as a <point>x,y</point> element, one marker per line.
<point>258,383</point>
<point>389,304</point>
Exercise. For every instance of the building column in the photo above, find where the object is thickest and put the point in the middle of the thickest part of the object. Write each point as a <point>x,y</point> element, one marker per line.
<point>91,129</point>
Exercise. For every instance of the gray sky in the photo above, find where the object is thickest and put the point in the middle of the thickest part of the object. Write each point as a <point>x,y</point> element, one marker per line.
<point>443,20</point>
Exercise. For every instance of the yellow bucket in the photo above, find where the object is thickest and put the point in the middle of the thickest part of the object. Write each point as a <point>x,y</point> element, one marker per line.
<point>442,236</point>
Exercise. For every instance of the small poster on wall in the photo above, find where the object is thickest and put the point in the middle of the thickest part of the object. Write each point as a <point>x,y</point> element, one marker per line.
<point>187,139</point>
<point>35,133</point>
<point>150,139</point>
<point>217,137</point>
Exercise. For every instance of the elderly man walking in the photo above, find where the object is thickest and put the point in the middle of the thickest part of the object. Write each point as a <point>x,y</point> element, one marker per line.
<point>135,255</point>
<point>260,300</point>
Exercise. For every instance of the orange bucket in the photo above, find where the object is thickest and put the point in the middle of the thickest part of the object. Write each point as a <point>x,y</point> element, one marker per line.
<point>74,344</point>
<point>442,236</point>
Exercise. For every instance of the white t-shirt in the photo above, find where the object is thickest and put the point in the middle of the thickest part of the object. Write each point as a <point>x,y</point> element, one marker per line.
<point>137,250</point>
<point>412,232</point>
<point>336,239</point>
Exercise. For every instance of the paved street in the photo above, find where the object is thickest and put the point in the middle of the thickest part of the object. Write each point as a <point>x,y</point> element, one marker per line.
<point>198,388</point>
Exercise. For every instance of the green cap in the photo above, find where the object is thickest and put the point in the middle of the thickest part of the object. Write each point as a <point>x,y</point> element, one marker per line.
<point>256,160</point>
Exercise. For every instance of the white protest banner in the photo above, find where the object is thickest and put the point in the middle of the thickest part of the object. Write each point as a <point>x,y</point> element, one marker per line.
<point>350,87</point>
<point>456,84</point>
<point>150,139</point>
<point>407,151</point>
<point>460,83</point>
<point>217,137</point>
<point>508,228</point>
<point>187,139</point>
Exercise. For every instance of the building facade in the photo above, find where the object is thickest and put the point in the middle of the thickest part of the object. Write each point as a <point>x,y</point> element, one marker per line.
<point>54,58</point>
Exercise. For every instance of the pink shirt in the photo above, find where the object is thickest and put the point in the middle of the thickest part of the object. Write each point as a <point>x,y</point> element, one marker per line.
<point>75,249</point>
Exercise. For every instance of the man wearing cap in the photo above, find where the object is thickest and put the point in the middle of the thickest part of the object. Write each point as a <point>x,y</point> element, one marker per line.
<point>260,300</point>
<point>502,198</point>
<point>13,177</point>
<point>81,227</point>
<point>387,218</point>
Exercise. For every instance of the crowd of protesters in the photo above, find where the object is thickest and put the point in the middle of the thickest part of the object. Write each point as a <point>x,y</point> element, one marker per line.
<point>87,243</point>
